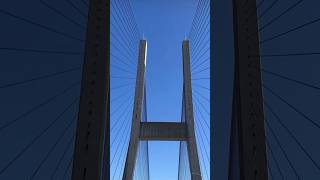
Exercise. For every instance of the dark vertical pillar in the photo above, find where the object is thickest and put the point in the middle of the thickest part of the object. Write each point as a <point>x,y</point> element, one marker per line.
<point>248,134</point>
<point>234,156</point>
<point>137,113</point>
<point>93,110</point>
<point>189,118</point>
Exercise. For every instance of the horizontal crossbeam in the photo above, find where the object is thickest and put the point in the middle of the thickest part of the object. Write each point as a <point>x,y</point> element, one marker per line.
<point>163,131</point>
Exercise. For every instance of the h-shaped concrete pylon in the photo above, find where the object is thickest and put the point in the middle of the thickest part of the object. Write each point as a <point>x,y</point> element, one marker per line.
<point>161,131</point>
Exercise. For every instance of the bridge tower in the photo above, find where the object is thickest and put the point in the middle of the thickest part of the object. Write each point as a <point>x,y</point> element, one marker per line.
<point>90,161</point>
<point>162,131</point>
<point>247,148</point>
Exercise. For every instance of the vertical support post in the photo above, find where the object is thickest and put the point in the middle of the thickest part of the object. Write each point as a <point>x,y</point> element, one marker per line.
<point>248,136</point>
<point>189,117</point>
<point>137,113</point>
<point>93,110</point>
<point>234,156</point>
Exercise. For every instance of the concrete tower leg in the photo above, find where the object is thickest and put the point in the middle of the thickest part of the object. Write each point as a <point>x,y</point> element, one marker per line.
<point>189,117</point>
<point>248,153</point>
<point>137,113</point>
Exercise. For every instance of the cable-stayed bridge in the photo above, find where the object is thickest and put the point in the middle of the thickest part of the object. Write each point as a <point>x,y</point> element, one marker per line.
<point>55,91</point>
<point>125,75</point>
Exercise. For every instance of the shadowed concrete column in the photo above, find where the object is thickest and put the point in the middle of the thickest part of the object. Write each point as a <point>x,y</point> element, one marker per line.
<point>248,148</point>
<point>189,118</point>
<point>93,110</point>
<point>137,113</point>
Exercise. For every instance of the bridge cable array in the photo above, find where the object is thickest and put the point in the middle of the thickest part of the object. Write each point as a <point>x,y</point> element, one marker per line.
<point>199,41</point>
<point>40,95</point>
<point>124,48</point>
<point>289,128</point>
